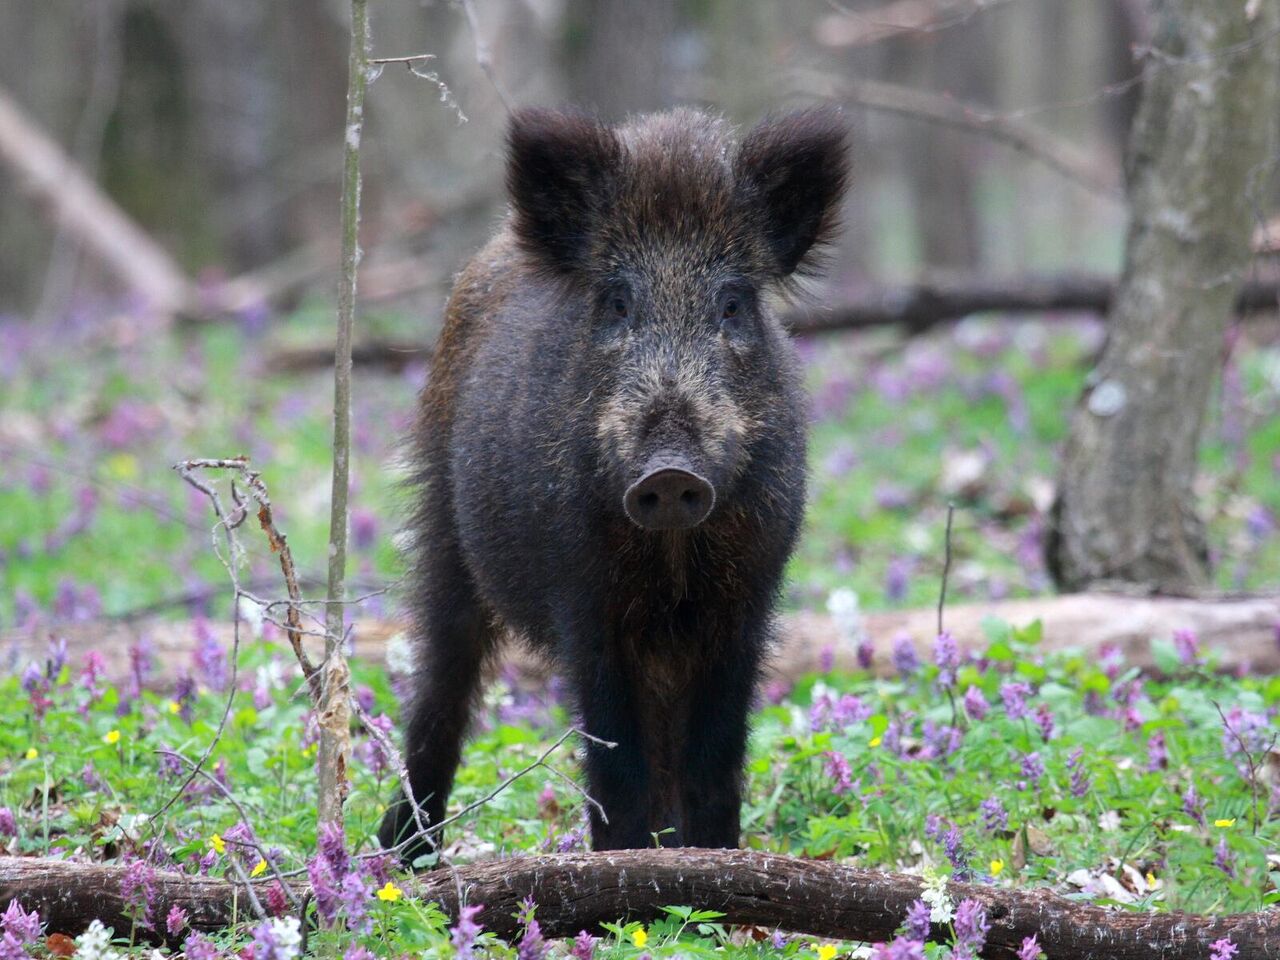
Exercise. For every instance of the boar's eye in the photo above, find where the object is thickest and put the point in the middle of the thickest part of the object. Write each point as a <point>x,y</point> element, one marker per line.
<point>618,304</point>
<point>732,313</point>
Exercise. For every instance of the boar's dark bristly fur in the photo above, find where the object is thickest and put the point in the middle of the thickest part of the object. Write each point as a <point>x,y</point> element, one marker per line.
<point>610,459</point>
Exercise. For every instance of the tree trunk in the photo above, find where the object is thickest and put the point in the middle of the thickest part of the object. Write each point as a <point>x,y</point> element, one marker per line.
<point>580,891</point>
<point>1126,507</point>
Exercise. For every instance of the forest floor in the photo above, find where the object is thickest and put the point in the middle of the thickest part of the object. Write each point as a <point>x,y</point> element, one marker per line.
<point>1144,793</point>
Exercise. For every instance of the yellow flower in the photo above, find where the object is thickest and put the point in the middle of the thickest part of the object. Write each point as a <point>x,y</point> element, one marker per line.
<point>32,753</point>
<point>1225,823</point>
<point>390,892</point>
<point>258,868</point>
<point>827,951</point>
<point>1151,879</point>
<point>112,737</point>
<point>175,706</point>
<point>217,844</point>
<point>875,742</point>
<point>639,937</point>
<point>996,867</point>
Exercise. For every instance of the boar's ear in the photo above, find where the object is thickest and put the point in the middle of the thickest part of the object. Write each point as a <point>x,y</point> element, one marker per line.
<point>560,168</point>
<point>795,166</point>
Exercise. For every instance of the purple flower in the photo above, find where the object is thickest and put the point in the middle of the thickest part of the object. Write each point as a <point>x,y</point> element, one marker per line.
<point>584,946</point>
<point>975,704</point>
<point>971,928</point>
<point>1222,949</point>
<point>210,657</point>
<point>995,817</point>
<point>333,847</point>
<point>933,828</point>
<point>372,751</point>
<point>1188,646</point>
<point>463,933</point>
<point>1157,752</point>
<point>953,844</point>
<point>897,579</point>
<point>22,925</point>
<point>140,665</point>
<point>1223,859</point>
<point>865,653</point>
<point>1015,695</point>
<point>1030,949</point>
<point>357,952</point>
<point>8,825</point>
<point>1193,805</point>
<point>184,694</point>
<point>176,921</point>
<point>946,655</point>
<point>323,889</point>
<point>354,892</point>
<point>905,660</point>
<point>940,741</point>
<point>900,948</point>
<point>277,902</point>
<point>837,768</point>
<point>138,889</point>
<point>1245,732</point>
<point>364,528</point>
<point>12,949</point>
<point>532,946</point>
<point>199,947</point>
<point>917,923</point>
<point>1033,768</point>
<point>1079,777</point>
<point>1044,719</point>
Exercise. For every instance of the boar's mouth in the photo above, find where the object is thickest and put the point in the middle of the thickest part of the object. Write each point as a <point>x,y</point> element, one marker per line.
<point>669,495</point>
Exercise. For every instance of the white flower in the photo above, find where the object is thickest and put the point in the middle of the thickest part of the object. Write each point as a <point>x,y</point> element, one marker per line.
<point>941,909</point>
<point>252,615</point>
<point>270,676</point>
<point>399,655</point>
<point>1109,822</point>
<point>842,604</point>
<point>95,943</point>
<point>277,939</point>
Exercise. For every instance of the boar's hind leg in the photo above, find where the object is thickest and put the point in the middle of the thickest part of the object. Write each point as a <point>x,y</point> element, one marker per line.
<point>456,635</point>
<point>716,747</point>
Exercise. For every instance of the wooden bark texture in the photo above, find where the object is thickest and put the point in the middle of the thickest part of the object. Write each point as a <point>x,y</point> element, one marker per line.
<point>1126,507</point>
<point>576,892</point>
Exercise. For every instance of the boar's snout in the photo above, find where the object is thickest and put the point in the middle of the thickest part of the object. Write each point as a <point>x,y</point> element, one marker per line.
<point>670,496</point>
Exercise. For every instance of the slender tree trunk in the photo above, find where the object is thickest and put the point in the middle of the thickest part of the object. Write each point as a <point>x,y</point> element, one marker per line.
<point>334,711</point>
<point>1126,507</point>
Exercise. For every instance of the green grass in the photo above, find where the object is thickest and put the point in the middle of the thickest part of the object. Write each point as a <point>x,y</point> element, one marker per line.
<point>83,777</point>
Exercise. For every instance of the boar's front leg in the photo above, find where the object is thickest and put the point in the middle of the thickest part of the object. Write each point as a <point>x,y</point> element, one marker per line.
<point>715,750</point>
<point>618,778</point>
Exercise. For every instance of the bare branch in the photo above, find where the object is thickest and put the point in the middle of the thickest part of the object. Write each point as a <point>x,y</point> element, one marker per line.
<point>1056,154</point>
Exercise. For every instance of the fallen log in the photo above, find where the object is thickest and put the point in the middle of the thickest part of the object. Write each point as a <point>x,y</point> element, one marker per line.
<point>914,307</point>
<point>1240,631</point>
<point>576,892</point>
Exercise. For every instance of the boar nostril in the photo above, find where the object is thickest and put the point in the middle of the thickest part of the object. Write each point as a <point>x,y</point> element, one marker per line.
<point>669,498</point>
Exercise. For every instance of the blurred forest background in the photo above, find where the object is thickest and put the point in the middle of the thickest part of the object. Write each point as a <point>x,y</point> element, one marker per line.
<point>218,125</point>
<point>988,140</point>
